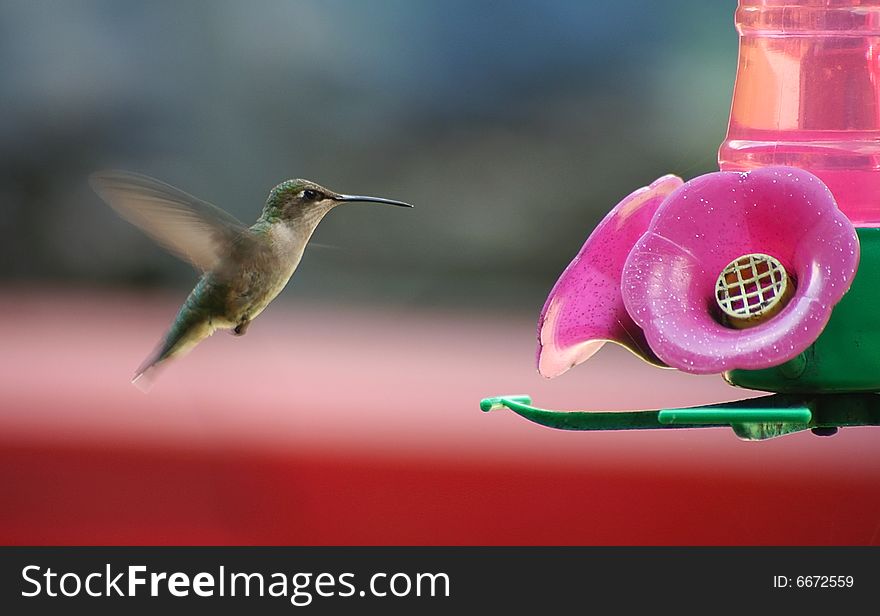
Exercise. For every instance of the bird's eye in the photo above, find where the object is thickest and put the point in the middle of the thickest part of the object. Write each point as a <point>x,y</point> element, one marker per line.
<point>310,194</point>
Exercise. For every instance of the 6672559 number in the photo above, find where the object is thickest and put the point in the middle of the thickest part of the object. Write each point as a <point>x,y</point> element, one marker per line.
<point>813,581</point>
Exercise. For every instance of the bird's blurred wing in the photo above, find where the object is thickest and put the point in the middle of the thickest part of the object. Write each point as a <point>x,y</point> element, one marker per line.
<point>191,228</point>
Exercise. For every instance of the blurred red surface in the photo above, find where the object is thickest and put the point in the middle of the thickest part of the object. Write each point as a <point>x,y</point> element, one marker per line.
<point>330,426</point>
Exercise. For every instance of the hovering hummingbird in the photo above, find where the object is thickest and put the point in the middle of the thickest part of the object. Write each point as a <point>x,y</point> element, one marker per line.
<point>243,268</point>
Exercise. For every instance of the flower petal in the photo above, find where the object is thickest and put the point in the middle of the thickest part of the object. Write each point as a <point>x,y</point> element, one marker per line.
<point>670,275</point>
<point>585,308</point>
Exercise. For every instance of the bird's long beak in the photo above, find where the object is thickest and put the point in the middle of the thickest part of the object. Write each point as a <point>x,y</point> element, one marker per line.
<point>351,198</point>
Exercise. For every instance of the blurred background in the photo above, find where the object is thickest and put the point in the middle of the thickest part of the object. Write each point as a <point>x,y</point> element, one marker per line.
<point>348,414</point>
<point>514,128</point>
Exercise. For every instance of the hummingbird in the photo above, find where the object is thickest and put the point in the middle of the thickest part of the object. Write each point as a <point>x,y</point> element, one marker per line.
<point>242,268</point>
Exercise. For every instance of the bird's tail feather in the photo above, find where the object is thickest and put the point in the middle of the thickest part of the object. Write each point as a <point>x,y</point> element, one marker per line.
<point>146,376</point>
<point>187,331</point>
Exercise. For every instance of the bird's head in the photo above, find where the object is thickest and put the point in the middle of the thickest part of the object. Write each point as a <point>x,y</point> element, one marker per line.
<point>295,199</point>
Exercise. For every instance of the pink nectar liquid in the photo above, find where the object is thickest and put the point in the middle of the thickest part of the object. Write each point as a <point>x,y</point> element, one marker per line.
<point>807,95</point>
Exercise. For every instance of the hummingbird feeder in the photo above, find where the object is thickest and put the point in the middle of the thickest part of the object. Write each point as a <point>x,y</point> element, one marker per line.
<point>766,272</point>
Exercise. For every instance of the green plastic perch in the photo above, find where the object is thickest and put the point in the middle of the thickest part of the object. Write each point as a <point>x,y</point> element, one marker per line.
<point>752,419</point>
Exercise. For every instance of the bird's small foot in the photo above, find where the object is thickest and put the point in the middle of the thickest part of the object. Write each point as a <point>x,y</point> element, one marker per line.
<point>241,328</point>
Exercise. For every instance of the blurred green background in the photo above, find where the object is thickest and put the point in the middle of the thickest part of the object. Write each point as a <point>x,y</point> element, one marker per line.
<point>513,126</point>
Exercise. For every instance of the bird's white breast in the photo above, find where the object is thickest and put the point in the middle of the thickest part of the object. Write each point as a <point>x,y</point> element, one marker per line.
<point>287,248</point>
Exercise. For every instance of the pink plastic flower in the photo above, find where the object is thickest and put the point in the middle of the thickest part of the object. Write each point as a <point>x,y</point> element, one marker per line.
<point>585,308</point>
<point>669,278</point>
<point>646,277</point>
